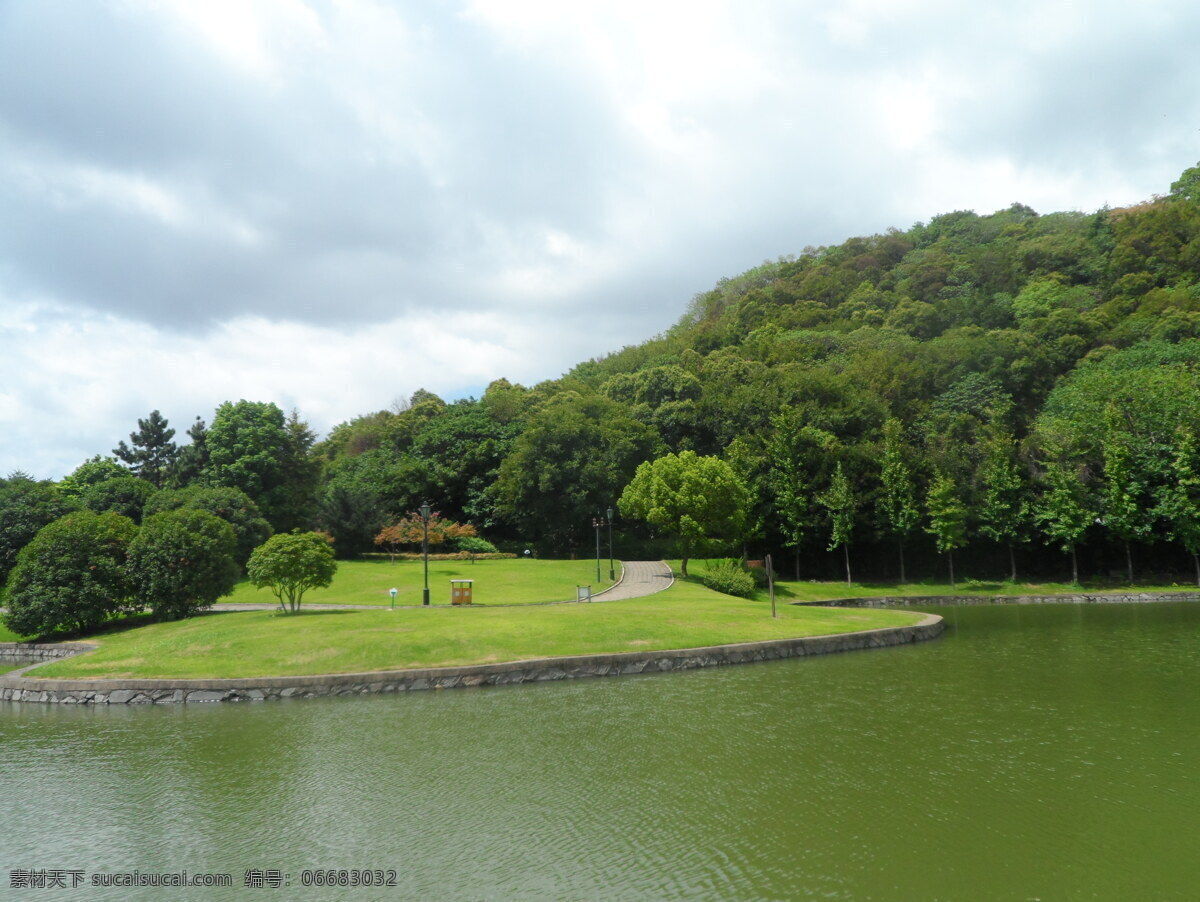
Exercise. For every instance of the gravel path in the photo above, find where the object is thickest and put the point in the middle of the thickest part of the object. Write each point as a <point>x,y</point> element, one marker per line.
<point>639,578</point>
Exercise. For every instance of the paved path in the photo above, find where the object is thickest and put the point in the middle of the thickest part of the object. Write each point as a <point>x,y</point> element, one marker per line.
<point>639,578</point>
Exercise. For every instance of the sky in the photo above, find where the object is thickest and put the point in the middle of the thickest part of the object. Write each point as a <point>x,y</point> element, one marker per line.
<point>330,204</point>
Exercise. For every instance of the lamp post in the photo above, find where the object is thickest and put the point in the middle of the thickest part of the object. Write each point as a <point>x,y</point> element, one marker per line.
<point>611,571</point>
<point>425,547</point>
<point>597,522</point>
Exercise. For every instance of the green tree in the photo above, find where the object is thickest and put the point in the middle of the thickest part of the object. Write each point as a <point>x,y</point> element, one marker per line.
<point>947,518</point>
<point>26,505</point>
<point>842,505</point>
<point>233,506</point>
<point>92,471</point>
<point>182,561</point>
<point>897,502</point>
<point>1187,186</point>
<point>1179,500</point>
<point>72,575</point>
<point>574,457</point>
<point>461,451</point>
<point>794,451</point>
<point>289,564</point>
<point>248,445</point>
<point>124,495</point>
<point>364,491</point>
<point>1125,512</point>
<point>692,497</point>
<point>193,458</point>
<point>153,453</point>
<point>748,459</point>
<point>300,473</point>
<point>1004,509</point>
<point>1064,511</point>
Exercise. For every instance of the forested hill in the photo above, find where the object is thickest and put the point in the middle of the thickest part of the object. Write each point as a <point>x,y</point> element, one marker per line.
<point>1014,380</point>
<point>989,339</point>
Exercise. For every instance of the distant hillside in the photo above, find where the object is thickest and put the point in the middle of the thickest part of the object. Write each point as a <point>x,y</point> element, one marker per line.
<point>1012,387</point>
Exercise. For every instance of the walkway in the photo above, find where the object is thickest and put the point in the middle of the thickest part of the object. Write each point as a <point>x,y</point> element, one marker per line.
<point>639,578</point>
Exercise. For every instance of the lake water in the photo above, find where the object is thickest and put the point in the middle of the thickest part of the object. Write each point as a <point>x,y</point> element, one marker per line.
<point>1044,752</point>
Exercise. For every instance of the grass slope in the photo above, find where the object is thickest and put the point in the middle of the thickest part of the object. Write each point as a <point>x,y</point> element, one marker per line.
<point>267,643</point>
<point>496,582</point>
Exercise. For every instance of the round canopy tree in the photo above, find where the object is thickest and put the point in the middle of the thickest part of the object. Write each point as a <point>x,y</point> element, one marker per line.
<point>233,506</point>
<point>182,561</point>
<point>290,563</point>
<point>692,497</point>
<point>72,575</point>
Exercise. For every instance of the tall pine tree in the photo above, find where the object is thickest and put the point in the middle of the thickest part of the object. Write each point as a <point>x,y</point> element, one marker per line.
<point>153,453</point>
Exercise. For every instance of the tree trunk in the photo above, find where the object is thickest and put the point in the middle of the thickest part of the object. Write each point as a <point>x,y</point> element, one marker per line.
<point>1129,562</point>
<point>1196,560</point>
<point>950,556</point>
<point>902,579</point>
<point>846,551</point>
<point>1012,563</point>
<point>683,567</point>
<point>1074,567</point>
<point>797,564</point>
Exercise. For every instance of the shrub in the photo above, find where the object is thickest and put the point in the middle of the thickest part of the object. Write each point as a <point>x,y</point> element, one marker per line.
<point>758,569</point>
<point>71,576</point>
<point>474,546</point>
<point>233,506</point>
<point>729,577</point>
<point>182,561</point>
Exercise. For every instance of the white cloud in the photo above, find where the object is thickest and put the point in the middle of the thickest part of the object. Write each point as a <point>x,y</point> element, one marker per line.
<point>75,383</point>
<point>330,203</point>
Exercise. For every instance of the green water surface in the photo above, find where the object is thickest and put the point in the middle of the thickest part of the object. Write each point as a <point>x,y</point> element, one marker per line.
<point>1041,752</point>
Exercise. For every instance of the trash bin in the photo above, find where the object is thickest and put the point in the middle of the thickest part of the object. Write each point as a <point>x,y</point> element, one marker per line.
<point>461,590</point>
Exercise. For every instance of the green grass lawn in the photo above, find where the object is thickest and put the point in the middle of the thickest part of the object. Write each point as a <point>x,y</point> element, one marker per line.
<point>496,582</point>
<point>7,635</point>
<point>268,643</point>
<point>791,591</point>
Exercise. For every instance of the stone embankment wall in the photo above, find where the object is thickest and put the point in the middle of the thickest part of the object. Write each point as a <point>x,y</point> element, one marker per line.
<point>18,687</point>
<point>32,652</point>
<point>888,601</point>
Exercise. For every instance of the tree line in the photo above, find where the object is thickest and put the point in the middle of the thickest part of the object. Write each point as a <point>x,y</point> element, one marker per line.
<point>1004,393</point>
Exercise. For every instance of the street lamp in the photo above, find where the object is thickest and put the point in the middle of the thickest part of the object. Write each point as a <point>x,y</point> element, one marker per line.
<point>425,546</point>
<point>611,571</point>
<point>597,522</point>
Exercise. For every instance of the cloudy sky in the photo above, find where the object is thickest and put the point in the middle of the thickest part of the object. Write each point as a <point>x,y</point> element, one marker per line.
<point>331,203</point>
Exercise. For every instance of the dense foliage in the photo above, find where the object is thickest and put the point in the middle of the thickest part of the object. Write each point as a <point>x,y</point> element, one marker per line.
<point>72,575</point>
<point>988,392</point>
<point>233,506</point>
<point>182,561</point>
